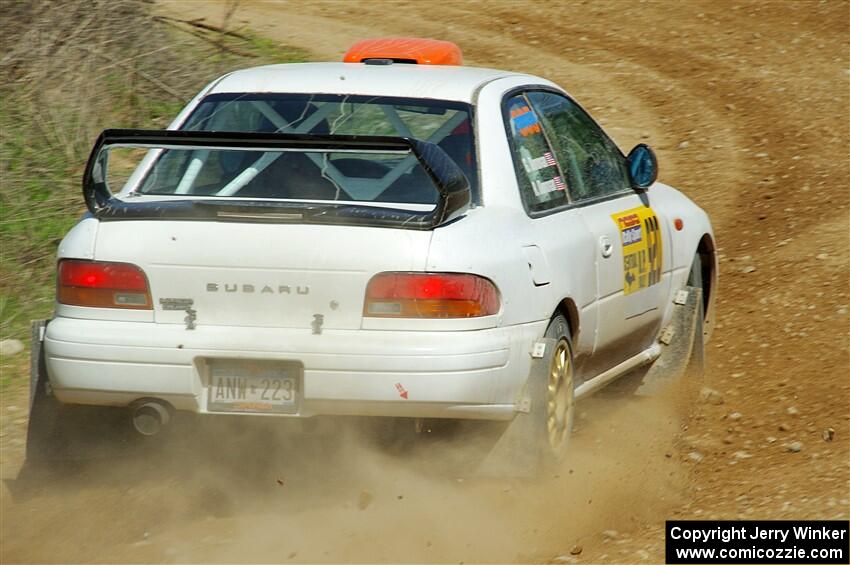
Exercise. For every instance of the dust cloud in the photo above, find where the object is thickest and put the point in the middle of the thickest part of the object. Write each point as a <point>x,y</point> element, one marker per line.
<point>265,490</point>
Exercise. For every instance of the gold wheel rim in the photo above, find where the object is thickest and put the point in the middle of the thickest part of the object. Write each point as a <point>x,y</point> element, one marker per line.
<point>559,397</point>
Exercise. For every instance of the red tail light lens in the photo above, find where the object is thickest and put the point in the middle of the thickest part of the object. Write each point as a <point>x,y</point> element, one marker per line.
<point>430,295</point>
<point>102,285</point>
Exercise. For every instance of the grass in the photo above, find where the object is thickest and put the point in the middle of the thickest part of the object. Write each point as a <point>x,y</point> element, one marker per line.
<point>70,69</point>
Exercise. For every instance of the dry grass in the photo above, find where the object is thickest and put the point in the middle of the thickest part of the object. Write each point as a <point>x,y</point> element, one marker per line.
<point>69,69</point>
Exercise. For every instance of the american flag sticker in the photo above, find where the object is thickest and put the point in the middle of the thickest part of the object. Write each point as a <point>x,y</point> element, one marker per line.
<point>546,160</point>
<point>559,183</point>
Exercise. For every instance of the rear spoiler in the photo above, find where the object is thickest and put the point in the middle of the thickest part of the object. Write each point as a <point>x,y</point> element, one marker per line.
<point>449,180</point>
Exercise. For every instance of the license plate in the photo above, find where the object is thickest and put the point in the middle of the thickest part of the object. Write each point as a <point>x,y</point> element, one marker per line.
<point>263,388</point>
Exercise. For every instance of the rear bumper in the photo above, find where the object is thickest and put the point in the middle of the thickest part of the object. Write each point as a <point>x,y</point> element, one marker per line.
<point>463,374</point>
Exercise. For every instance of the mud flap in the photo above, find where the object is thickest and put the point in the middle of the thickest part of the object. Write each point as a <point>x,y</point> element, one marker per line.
<point>38,371</point>
<point>682,345</point>
<point>519,450</point>
<point>59,432</point>
<point>42,418</point>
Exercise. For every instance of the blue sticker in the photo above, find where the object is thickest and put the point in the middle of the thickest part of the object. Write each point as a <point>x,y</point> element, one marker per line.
<point>632,235</point>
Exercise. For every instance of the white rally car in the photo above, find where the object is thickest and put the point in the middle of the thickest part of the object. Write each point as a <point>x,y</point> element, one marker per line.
<point>396,235</point>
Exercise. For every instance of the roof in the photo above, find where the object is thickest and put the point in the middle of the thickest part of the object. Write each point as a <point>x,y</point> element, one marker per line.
<point>404,80</point>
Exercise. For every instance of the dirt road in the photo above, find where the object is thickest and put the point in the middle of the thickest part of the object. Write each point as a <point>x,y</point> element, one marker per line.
<point>747,106</point>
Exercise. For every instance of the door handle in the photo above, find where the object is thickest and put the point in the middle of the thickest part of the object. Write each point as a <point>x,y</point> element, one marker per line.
<point>605,246</point>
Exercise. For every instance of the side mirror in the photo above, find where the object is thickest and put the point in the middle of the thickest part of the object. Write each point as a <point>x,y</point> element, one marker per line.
<point>643,166</point>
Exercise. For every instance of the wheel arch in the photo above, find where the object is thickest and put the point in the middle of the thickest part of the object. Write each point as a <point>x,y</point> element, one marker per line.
<point>567,307</point>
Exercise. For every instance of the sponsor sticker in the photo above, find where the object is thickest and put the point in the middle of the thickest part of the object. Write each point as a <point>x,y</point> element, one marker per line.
<point>640,234</point>
<point>632,235</point>
<point>525,122</point>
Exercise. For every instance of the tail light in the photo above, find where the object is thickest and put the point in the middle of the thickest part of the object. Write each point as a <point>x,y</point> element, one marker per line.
<point>430,295</point>
<point>103,285</point>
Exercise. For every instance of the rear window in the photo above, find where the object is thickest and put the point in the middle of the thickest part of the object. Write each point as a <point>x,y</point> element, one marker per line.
<point>316,175</point>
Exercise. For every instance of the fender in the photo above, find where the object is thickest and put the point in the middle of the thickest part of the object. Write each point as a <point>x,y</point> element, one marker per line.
<point>696,234</point>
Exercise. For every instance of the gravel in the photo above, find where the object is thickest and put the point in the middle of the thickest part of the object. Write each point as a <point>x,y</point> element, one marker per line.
<point>9,347</point>
<point>710,396</point>
<point>795,446</point>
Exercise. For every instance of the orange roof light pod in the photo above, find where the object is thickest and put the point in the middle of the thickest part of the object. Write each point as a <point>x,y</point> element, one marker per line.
<point>405,50</point>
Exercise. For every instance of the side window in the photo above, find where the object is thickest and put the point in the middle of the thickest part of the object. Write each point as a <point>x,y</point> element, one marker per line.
<point>541,184</point>
<point>595,167</point>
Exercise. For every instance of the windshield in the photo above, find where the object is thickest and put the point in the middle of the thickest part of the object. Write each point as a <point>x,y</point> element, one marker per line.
<point>303,174</point>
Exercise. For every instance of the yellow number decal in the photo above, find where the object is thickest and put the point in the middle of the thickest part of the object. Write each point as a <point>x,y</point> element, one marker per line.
<point>640,233</point>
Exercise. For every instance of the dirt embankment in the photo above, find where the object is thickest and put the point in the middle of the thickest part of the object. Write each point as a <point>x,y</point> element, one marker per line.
<point>747,105</point>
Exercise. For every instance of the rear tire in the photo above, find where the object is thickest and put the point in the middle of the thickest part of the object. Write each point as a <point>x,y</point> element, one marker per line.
<point>558,399</point>
<point>536,442</point>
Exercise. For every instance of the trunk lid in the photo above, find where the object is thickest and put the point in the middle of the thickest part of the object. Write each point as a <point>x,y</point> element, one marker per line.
<point>260,274</point>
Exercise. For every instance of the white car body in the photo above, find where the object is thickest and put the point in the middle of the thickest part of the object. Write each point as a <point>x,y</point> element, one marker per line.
<point>569,261</point>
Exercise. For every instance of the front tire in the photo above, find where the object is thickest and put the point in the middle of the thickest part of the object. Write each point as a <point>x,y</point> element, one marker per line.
<point>689,365</point>
<point>696,362</point>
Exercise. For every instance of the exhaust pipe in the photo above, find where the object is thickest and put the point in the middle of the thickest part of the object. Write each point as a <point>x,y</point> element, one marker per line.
<point>150,416</point>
